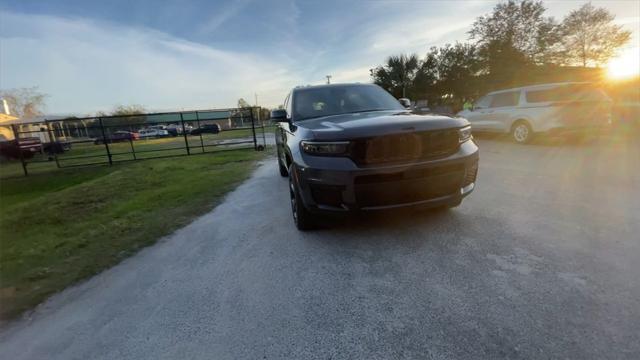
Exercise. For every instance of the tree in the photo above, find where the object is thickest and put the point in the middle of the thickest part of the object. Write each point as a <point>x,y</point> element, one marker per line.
<point>122,110</point>
<point>589,36</point>
<point>242,103</point>
<point>426,78</point>
<point>457,68</point>
<point>397,74</point>
<point>25,102</point>
<point>241,112</point>
<point>126,115</point>
<point>518,29</point>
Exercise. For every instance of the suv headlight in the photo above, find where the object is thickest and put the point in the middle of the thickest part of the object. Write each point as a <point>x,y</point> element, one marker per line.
<point>464,134</point>
<point>325,148</point>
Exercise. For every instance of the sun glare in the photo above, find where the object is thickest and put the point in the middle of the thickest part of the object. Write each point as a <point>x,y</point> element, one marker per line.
<point>626,65</point>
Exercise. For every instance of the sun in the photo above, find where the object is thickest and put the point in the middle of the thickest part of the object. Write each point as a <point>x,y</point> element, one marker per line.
<point>624,66</point>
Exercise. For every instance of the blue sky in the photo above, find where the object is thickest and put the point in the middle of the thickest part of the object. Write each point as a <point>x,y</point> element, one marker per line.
<point>168,55</point>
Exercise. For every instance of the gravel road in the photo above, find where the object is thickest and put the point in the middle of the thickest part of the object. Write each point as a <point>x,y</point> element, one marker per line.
<point>541,261</point>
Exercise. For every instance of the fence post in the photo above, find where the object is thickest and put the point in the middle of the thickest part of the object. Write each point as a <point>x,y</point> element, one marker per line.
<point>253,130</point>
<point>184,133</point>
<point>264,137</point>
<point>201,142</point>
<point>133,151</point>
<point>16,136</point>
<point>104,139</point>
<point>53,142</point>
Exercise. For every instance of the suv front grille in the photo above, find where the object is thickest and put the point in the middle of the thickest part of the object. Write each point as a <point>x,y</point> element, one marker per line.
<point>400,148</point>
<point>409,186</point>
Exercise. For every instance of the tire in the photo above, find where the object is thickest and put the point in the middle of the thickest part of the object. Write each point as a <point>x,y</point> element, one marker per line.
<point>301,216</point>
<point>283,169</point>
<point>284,172</point>
<point>521,132</point>
<point>454,204</point>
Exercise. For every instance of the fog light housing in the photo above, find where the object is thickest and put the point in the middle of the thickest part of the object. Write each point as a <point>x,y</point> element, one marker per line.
<point>470,174</point>
<point>325,148</point>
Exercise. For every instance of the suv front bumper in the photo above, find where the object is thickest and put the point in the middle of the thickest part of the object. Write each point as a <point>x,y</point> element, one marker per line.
<point>337,185</point>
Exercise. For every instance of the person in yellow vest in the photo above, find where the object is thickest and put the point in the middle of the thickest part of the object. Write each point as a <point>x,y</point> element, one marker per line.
<point>468,105</point>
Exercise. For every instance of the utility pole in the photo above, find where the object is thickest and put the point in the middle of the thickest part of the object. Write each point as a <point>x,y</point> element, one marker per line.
<point>328,79</point>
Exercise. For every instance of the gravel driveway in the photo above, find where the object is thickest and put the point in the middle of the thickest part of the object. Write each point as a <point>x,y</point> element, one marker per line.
<point>541,261</point>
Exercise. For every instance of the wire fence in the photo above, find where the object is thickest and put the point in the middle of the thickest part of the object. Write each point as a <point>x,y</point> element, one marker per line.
<point>106,140</point>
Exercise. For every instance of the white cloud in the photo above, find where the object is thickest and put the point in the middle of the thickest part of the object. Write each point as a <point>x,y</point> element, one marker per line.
<point>358,74</point>
<point>419,33</point>
<point>87,66</point>
<point>222,15</point>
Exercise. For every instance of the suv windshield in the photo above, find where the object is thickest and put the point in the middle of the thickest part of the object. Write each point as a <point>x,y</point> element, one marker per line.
<point>333,100</point>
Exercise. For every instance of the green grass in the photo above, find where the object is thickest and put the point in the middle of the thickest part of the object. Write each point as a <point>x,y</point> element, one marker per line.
<point>60,227</point>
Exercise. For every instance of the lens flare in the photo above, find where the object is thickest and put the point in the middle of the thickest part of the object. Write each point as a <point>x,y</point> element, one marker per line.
<point>626,65</point>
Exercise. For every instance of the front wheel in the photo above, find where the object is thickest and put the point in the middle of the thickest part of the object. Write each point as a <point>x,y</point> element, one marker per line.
<point>521,132</point>
<point>283,169</point>
<point>301,216</point>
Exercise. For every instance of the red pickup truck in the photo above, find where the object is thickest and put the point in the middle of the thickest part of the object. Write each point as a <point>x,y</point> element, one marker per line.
<point>28,147</point>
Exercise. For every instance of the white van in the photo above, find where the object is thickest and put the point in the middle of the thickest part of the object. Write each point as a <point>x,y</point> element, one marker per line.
<point>152,132</point>
<point>559,108</point>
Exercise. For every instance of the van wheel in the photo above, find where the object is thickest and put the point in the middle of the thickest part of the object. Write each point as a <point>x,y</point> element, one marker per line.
<point>521,132</point>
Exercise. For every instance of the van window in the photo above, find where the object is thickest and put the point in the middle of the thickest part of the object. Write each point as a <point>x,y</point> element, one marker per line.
<point>483,102</point>
<point>505,99</point>
<point>542,95</point>
<point>572,92</point>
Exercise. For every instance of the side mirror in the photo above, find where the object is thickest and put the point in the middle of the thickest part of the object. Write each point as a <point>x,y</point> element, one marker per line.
<point>405,102</point>
<point>279,115</point>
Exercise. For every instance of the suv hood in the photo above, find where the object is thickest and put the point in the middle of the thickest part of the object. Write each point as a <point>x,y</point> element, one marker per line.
<point>371,124</point>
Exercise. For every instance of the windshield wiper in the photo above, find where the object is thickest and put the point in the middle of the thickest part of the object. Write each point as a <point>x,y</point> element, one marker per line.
<point>363,111</point>
<point>343,113</point>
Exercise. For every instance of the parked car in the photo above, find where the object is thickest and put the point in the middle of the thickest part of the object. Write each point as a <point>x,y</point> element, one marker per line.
<point>28,146</point>
<point>561,108</point>
<point>118,136</point>
<point>206,129</point>
<point>148,133</point>
<point>177,129</point>
<point>354,147</point>
<point>174,130</point>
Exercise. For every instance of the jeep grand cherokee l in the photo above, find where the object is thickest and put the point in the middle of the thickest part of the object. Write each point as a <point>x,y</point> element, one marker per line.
<point>354,147</point>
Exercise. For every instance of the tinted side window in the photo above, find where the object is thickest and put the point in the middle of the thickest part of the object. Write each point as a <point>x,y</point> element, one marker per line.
<point>505,99</point>
<point>577,92</point>
<point>541,95</point>
<point>483,102</point>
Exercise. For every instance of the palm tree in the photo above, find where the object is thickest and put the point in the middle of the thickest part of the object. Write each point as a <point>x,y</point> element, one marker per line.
<point>402,69</point>
<point>397,74</point>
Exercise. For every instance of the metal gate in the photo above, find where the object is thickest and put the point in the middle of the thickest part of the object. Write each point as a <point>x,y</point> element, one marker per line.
<point>73,142</point>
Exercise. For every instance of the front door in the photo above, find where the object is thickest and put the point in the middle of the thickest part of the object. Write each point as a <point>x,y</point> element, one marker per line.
<point>480,115</point>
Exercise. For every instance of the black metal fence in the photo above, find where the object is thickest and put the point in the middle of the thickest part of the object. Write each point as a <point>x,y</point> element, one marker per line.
<point>72,142</point>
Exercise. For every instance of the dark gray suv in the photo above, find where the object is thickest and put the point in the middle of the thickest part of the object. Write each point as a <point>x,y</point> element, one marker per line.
<point>354,147</point>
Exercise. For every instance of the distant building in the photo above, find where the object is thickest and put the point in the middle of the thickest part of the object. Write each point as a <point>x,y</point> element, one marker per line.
<point>5,118</point>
